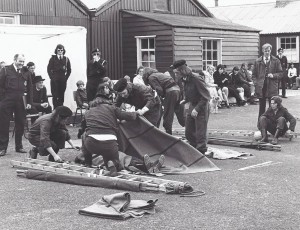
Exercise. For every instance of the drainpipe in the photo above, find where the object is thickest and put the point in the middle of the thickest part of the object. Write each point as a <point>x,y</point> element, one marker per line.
<point>216,3</point>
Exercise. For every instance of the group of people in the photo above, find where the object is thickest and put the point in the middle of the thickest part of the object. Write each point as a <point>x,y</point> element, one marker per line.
<point>153,94</point>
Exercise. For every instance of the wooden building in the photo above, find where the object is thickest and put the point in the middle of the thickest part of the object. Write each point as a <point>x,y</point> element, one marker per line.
<point>152,33</point>
<point>277,21</point>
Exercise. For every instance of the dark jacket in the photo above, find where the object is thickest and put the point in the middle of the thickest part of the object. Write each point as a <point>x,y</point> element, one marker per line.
<point>259,76</point>
<point>15,84</point>
<point>102,119</point>
<point>238,80</point>
<point>81,97</point>
<point>158,81</point>
<point>283,62</point>
<point>139,96</point>
<point>282,112</point>
<point>59,69</point>
<point>96,70</point>
<point>195,91</point>
<point>218,78</point>
<point>39,96</point>
<point>43,127</point>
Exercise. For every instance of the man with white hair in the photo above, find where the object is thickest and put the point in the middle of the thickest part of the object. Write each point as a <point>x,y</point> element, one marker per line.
<point>14,82</point>
<point>266,73</point>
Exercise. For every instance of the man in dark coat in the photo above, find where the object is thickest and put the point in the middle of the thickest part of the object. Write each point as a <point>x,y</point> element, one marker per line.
<point>59,70</point>
<point>96,71</point>
<point>197,103</point>
<point>15,80</point>
<point>49,133</point>
<point>142,97</point>
<point>274,120</point>
<point>284,66</point>
<point>40,101</point>
<point>266,73</point>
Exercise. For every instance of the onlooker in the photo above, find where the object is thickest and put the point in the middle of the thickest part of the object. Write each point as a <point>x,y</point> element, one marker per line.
<point>197,103</point>
<point>96,71</point>
<point>292,74</point>
<point>138,79</point>
<point>49,133</point>
<point>274,120</point>
<point>80,96</point>
<point>284,65</point>
<point>127,78</point>
<point>39,98</point>
<point>14,81</point>
<point>31,68</point>
<point>166,88</point>
<point>247,83</point>
<point>238,83</point>
<point>2,64</point>
<point>266,73</point>
<point>59,70</point>
<point>143,98</point>
<point>214,90</point>
<point>222,82</point>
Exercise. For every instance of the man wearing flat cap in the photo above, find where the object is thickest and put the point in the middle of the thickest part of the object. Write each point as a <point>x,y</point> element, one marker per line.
<point>40,101</point>
<point>49,133</point>
<point>274,120</point>
<point>197,104</point>
<point>284,66</point>
<point>142,97</point>
<point>96,71</point>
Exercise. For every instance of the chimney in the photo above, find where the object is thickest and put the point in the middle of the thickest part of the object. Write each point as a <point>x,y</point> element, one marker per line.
<point>216,3</point>
<point>283,3</point>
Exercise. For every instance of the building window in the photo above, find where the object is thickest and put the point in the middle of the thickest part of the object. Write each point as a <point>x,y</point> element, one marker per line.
<point>290,46</point>
<point>211,52</point>
<point>145,51</point>
<point>9,18</point>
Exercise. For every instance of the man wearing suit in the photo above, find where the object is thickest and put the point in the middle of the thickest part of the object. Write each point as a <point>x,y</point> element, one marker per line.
<point>266,73</point>
<point>284,65</point>
<point>39,97</point>
<point>14,82</point>
<point>59,70</point>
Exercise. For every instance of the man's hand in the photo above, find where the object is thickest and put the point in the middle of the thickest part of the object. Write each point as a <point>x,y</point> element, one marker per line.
<point>44,105</point>
<point>194,113</point>
<point>270,75</point>
<point>28,106</point>
<point>57,158</point>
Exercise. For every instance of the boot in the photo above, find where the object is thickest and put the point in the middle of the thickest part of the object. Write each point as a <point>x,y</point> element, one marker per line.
<point>264,135</point>
<point>275,139</point>
<point>33,153</point>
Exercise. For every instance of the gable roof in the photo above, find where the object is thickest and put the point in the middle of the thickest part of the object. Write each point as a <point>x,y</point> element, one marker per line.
<point>191,21</point>
<point>266,17</point>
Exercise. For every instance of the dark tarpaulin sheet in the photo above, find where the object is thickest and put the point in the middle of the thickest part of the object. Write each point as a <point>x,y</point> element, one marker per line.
<point>140,137</point>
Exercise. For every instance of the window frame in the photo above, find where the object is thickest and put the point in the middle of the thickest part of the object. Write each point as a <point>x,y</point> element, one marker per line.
<point>219,51</point>
<point>139,49</point>
<point>289,52</point>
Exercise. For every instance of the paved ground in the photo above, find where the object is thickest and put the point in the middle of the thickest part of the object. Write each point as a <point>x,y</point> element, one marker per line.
<point>261,198</point>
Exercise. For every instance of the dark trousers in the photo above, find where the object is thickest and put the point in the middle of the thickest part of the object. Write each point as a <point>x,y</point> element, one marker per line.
<point>38,109</point>
<point>12,104</point>
<point>57,140</point>
<point>233,92</point>
<point>262,105</point>
<point>270,126</point>
<point>91,88</point>
<point>58,89</point>
<point>196,128</point>
<point>283,82</point>
<point>247,90</point>
<point>171,101</point>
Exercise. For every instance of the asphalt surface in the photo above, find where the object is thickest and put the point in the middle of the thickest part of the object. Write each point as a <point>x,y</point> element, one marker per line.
<point>258,198</point>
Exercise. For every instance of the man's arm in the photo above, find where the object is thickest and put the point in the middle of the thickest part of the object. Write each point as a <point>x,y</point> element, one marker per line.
<point>201,87</point>
<point>291,119</point>
<point>68,66</point>
<point>2,82</point>
<point>50,67</point>
<point>122,115</point>
<point>153,82</point>
<point>278,73</point>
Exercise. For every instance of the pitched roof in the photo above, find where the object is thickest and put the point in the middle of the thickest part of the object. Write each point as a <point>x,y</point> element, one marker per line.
<point>191,21</point>
<point>265,17</point>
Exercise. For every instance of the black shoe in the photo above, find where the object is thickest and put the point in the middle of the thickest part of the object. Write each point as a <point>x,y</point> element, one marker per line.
<point>33,153</point>
<point>21,150</point>
<point>284,96</point>
<point>148,164</point>
<point>2,152</point>
<point>112,169</point>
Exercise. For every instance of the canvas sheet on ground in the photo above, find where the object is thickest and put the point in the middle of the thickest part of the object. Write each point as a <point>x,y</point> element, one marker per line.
<point>140,137</point>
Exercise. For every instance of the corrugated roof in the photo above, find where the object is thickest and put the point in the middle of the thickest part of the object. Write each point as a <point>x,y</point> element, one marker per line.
<point>265,17</point>
<point>192,21</point>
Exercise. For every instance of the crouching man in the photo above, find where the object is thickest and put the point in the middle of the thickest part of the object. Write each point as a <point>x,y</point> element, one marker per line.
<point>100,137</point>
<point>275,121</point>
<point>49,133</point>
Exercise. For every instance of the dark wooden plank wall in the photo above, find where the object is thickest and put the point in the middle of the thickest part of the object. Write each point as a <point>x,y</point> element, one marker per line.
<point>137,26</point>
<point>237,46</point>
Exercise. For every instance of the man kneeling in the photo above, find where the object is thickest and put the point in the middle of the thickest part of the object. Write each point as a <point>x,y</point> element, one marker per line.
<point>49,133</point>
<point>100,137</point>
<point>275,121</point>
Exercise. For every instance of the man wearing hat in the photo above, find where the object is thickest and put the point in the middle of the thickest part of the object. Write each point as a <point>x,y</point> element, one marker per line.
<point>96,71</point>
<point>49,133</point>
<point>39,97</point>
<point>197,104</point>
<point>59,71</point>
<point>274,120</point>
<point>284,66</point>
<point>142,97</point>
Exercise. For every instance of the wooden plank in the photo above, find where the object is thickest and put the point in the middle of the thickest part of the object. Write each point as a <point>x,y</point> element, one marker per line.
<point>187,48</point>
<point>212,31</point>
